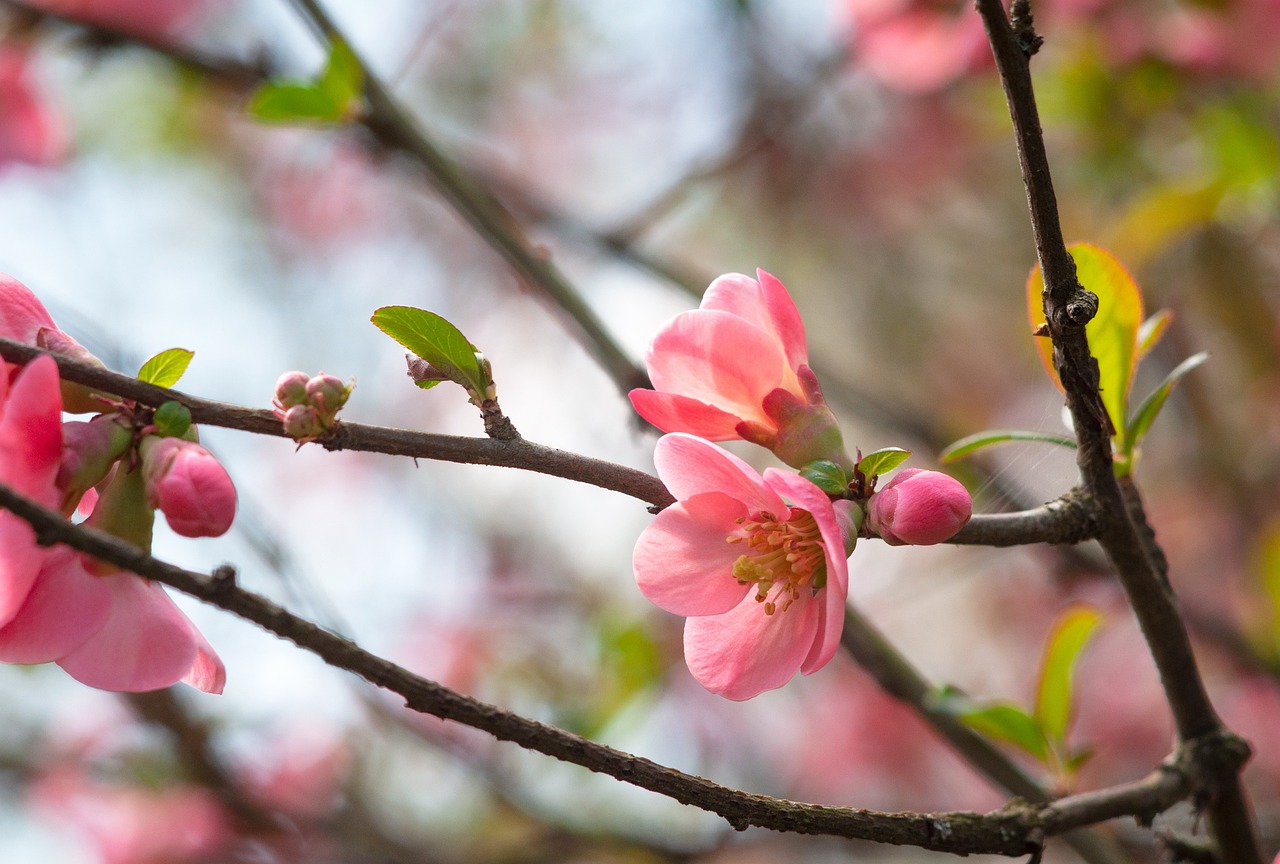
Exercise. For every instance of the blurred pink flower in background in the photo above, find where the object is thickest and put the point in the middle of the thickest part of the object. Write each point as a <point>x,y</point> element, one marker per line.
<point>737,368</point>
<point>919,508</point>
<point>155,19</point>
<point>916,47</point>
<point>133,825</point>
<point>31,131</point>
<point>762,581</point>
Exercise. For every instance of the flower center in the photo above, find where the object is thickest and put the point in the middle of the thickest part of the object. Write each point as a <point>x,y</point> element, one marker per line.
<point>783,557</point>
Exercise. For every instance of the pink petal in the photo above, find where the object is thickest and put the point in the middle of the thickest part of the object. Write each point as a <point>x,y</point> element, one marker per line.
<point>21,313</point>
<point>31,432</point>
<point>20,560</point>
<point>831,598</point>
<point>720,359</point>
<point>744,652</point>
<point>146,643</point>
<point>767,305</point>
<point>207,672</point>
<point>682,561</point>
<point>786,319</point>
<point>690,466</point>
<point>673,413</point>
<point>64,609</point>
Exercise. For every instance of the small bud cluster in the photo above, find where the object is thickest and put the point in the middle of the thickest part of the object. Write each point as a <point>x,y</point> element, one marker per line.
<point>308,406</point>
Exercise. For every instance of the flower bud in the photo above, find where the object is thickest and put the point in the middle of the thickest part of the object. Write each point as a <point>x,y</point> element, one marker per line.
<point>302,424</point>
<point>328,394</point>
<point>89,449</point>
<point>291,390</point>
<point>919,508</point>
<point>185,482</point>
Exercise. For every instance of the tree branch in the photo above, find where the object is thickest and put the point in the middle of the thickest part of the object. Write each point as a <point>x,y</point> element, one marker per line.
<point>1130,546</point>
<point>1017,829</point>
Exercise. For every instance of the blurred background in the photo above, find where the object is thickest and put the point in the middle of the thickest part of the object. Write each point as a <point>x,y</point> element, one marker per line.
<point>857,149</point>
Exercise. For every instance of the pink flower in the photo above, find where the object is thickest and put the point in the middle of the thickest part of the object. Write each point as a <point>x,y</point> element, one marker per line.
<point>23,318</point>
<point>30,131</point>
<point>186,483</point>
<point>152,19</point>
<point>919,508</point>
<point>115,632</point>
<point>757,564</point>
<point>737,367</point>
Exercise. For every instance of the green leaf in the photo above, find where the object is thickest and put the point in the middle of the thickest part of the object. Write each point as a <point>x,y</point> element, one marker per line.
<point>1146,413</point>
<point>166,368</point>
<point>882,461</point>
<point>1113,332</point>
<point>1151,331</point>
<point>172,419</point>
<point>1003,721</point>
<point>827,476</point>
<point>975,442</point>
<point>286,102</point>
<point>437,341</point>
<point>1070,634</point>
<point>342,80</point>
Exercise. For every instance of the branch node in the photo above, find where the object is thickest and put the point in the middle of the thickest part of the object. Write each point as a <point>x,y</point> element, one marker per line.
<point>223,577</point>
<point>1024,28</point>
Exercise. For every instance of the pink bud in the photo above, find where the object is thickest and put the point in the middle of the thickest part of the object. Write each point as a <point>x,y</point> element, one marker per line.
<point>302,424</point>
<point>189,486</point>
<point>291,390</point>
<point>920,508</point>
<point>89,449</point>
<point>328,394</point>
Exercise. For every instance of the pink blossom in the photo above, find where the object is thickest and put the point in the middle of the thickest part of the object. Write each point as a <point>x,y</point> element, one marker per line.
<point>914,48</point>
<point>23,318</point>
<point>30,131</point>
<point>757,564</point>
<point>153,19</point>
<point>737,367</point>
<point>185,482</point>
<point>115,632</point>
<point>919,508</point>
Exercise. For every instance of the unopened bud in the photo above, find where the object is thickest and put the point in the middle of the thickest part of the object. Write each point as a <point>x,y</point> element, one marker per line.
<point>291,390</point>
<point>186,483</point>
<point>920,508</point>
<point>89,449</point>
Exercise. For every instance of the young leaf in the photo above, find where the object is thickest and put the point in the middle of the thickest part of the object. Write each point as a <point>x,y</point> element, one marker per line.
<point>342,80</point>
<point>827,476</point>
<point>882,461</point>
<point>290,102</point>
<point>975,442</point>
<point>1151,331</point>
<point>435,340</point>
<point>166,368</point>
<point>1113,332</point>
<point>1005,721</point>
<point>1053,697</point>
<point>1150,407</point>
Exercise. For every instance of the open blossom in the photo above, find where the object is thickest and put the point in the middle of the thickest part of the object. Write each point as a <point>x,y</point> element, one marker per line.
<point>115,631</point>
<point>737,367</point>
<point>919,508</point>
<point>757,564</point>
<point>23,318</point>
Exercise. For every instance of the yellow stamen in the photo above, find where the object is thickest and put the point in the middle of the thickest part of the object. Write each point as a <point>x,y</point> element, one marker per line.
<point>784,557</point>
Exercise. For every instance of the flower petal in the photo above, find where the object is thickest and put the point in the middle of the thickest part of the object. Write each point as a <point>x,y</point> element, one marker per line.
<point>64,609</point>
<point>146,643</point>
<point>682,562</point>
<point>833,596</point>
<point>691,466</point>
<point>744,652</point>
<point>764,303</point>
<point>720,359</point>
<point>674,413</point>
<point>31,432</point>
<point>21,313</point>
<point>207,672</point>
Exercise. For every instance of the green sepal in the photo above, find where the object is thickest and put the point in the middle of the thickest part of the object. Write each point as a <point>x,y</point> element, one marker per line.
<point>827,476</point>
<point>882,461</point>
<point>972,443</point>
<point>172,419</point>
<point>439,343</point>
<point>166,368</point>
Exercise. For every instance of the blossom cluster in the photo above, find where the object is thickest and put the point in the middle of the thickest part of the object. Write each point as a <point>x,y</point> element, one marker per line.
<point>759,563</point>
<point>106,627</point>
